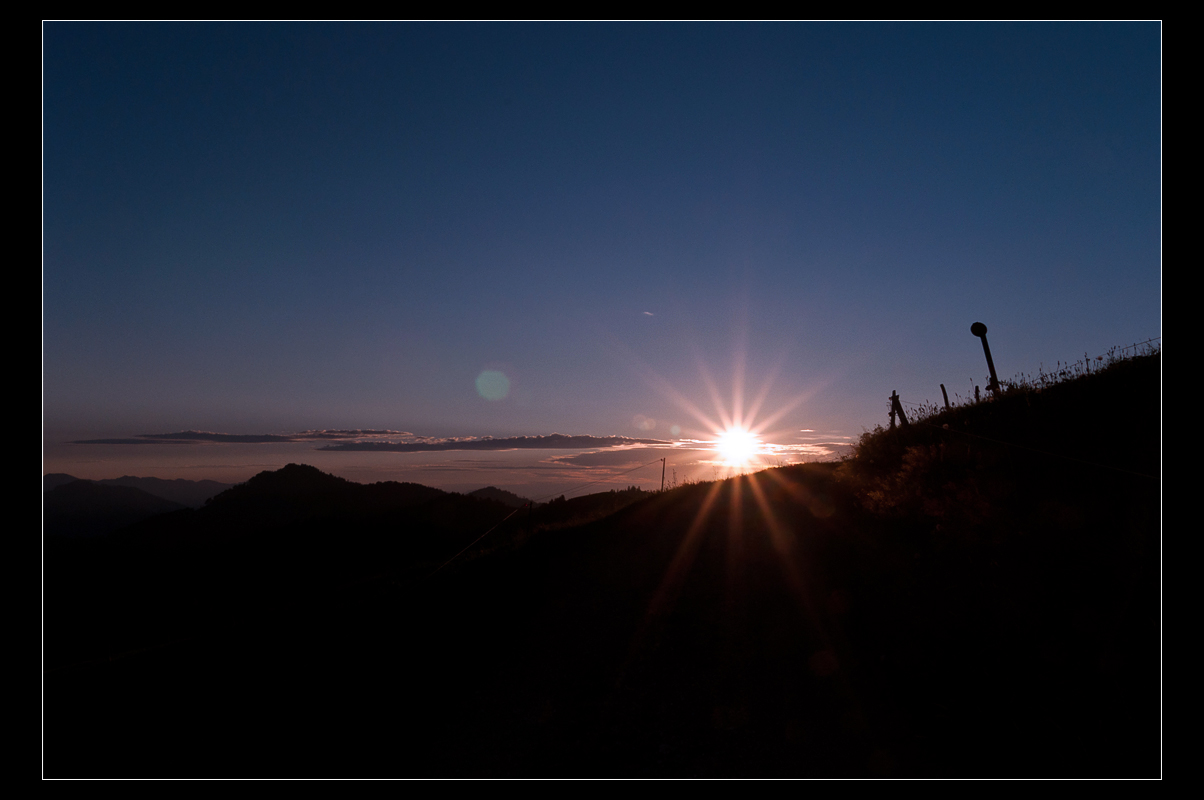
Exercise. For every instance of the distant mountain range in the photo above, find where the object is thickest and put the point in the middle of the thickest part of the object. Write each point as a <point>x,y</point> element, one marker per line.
<point>76,507</point>
<point>501,496</point>
<point>84,508</point>
<point>187,493</point>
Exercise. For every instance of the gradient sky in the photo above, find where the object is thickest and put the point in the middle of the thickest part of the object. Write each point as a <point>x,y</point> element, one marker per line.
<point>274,228</point>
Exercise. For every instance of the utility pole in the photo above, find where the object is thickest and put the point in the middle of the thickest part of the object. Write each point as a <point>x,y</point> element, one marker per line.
<point>662,474</point>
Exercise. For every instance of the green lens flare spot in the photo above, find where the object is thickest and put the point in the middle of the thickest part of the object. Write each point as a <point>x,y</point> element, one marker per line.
<point>493,385</point>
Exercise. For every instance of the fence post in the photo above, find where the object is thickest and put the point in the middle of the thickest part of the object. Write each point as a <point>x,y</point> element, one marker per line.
<point>896,408</point>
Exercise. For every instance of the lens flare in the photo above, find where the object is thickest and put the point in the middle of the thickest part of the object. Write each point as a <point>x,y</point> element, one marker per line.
<point>493,384</point>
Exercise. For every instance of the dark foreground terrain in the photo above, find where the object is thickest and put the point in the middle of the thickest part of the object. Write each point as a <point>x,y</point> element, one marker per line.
<point>962,607</point>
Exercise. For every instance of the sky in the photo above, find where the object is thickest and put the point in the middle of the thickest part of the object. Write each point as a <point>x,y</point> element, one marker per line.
<point>368,246</point>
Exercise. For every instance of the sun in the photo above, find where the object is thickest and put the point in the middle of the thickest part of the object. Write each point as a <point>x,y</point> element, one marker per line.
<point>738,446</point>
<point>738,436</point>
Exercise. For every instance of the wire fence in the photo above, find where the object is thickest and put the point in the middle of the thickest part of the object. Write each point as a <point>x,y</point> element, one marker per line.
<point>922,413</point>
<point>1044,379</point>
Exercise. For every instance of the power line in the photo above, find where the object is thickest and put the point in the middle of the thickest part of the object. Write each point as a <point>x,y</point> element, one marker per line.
<point>531,504</point>
<point>479,538</point>
<point>600,480</point>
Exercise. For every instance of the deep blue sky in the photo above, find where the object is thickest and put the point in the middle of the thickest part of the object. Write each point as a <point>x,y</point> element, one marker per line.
<point>257,228</point>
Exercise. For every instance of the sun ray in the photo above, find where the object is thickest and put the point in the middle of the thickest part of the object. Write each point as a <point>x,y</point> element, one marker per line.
<point>675,575</point>
<point>725,419</point>
<point>738,365</point>
<point>740,439</point>
<point>736,552</point>
<point>782,541</point>
<point>735,432</point>
<point>666,389</point>
<point>789,406</point>
<point>755,407</point>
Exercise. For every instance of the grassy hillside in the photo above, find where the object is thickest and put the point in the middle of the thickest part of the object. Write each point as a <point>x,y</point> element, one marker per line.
<point>1039,447</point>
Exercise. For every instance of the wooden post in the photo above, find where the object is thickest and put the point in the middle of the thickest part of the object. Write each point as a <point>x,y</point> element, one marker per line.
<point>896,408</point>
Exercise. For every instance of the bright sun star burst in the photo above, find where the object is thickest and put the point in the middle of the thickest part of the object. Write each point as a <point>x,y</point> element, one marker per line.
<point>738,446</point>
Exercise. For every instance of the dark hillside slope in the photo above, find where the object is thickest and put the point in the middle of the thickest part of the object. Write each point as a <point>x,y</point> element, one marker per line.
<point>641,644</point>
<point>561,513</point>
<point>786,631</point>
<point>984,609</point>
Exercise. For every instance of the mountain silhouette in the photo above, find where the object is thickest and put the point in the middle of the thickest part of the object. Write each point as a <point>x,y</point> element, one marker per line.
<point>84,508</point>
<point>500,495</point>
<point>184,492</point>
